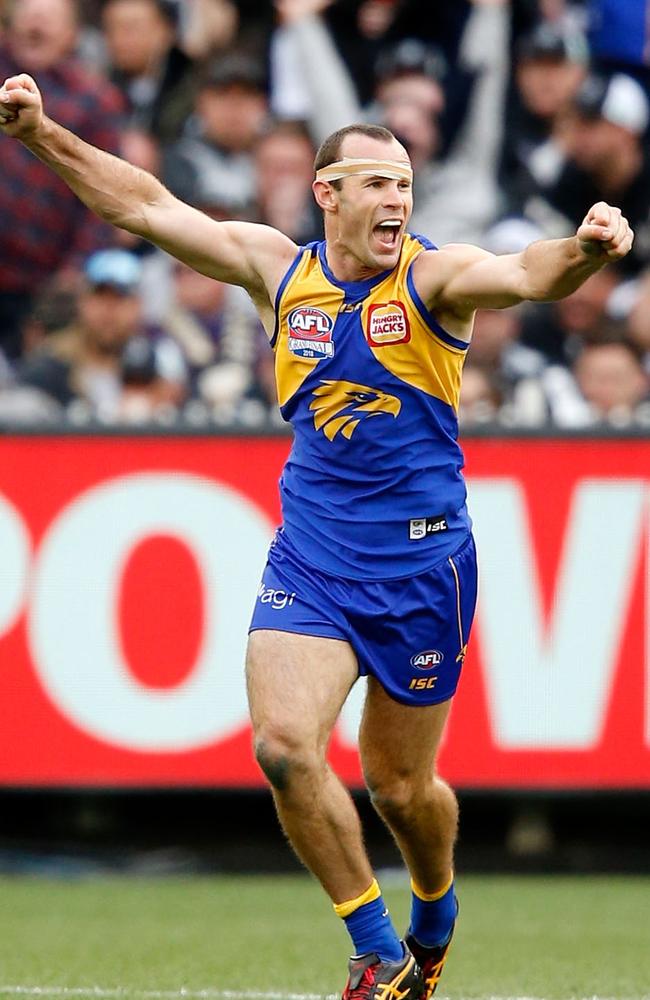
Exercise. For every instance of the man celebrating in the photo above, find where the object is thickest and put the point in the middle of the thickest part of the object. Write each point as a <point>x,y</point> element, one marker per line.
<point>373,571</point>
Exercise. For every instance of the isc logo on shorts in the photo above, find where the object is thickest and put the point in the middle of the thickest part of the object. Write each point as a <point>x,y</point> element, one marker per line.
<point>422,683</point>
<point>310,333</point>
<point>427,660</point>
<point>387,324</point>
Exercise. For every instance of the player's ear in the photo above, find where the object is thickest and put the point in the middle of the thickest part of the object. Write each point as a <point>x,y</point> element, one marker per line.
<point>325,195</point>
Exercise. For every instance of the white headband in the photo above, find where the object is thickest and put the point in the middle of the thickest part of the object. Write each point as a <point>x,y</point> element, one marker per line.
<point>392,169</point>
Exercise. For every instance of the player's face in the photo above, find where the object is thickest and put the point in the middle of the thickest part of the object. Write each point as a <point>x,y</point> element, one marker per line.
<point>372,211</point>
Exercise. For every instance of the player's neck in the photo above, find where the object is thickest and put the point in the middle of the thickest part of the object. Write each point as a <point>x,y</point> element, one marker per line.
<point>346,266</point>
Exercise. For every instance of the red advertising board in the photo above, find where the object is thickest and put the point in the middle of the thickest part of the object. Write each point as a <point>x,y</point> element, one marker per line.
<point>128,570</point>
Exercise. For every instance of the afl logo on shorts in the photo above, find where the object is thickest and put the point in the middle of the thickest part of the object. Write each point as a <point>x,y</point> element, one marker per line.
<point>310,333</point>
<point>387,324</point>
<point>427,660</point>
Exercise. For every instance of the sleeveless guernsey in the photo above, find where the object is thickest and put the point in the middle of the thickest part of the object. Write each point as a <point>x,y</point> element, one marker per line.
<point>372,488</point>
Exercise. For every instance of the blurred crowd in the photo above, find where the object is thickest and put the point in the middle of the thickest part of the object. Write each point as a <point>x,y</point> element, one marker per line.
<point>517,116</point>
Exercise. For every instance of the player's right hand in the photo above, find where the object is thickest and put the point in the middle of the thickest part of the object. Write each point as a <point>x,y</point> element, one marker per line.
<point>21,107</point>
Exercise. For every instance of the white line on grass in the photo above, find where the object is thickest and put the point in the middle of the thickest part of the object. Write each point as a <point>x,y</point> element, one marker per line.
<point>126,993</point>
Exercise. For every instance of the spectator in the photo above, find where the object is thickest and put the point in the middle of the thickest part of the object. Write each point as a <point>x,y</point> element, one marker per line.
<point>54,309</point>
<point>256,22</point>
<point>259,405</point>
<point>618,37</point>
<point>558,330</point>
<point>455,197</point>
<point>360,31</point>
<point>599,154</point>
<point>612,380</point>
<point>212,166</point>
<point>143,150</point>
<point>638,321</point>
<point>148,393</point>
<point>216,327</point>
<point>550,64</point>
<point>517,370</point>
<point>208,26</point>
<point>146,63</point>
<point>83,362</point>
<point>480,396</point>
<point>410,95</point>
<point>45,229</point>
<point>284,171</point>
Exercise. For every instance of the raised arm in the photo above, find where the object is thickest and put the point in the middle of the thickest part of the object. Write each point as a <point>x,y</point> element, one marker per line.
<point>459,279</point>
<point>240,253</point>
<point>326,78</point>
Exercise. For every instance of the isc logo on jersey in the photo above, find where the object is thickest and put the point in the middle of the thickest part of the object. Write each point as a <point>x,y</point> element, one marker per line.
<point>387,324</point>
<point>427,660</point>
<point>310,333</point>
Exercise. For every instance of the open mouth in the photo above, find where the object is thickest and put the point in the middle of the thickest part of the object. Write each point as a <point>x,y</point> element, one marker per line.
<point>388,232</point>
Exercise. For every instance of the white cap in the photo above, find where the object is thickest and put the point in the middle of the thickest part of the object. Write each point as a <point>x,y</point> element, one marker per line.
<point>620,100</point>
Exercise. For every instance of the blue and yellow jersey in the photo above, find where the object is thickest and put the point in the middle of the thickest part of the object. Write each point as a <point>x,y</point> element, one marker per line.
<point>370,382</point>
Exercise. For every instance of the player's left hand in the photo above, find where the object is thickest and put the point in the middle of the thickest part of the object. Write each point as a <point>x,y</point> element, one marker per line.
<point>605,233</point>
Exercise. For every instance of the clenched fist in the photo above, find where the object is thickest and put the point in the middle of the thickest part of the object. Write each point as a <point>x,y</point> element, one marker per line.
<point>605,233</point>
<point>21,107</point>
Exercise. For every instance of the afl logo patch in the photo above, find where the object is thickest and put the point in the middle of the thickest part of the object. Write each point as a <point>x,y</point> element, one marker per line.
<point>427,660</point>
<point>387,324</point>
<point>310,333</point>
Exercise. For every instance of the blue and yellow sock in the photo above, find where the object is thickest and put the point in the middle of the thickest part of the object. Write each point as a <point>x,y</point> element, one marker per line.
<point>433,914</point>
<point>370,926</point>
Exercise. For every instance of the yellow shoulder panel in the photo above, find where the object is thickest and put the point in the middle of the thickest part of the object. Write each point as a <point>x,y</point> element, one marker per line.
<point>401,339</point>
<point>306,313</point>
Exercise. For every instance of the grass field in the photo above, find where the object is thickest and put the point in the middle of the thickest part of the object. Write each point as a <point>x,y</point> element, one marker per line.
<point>271,937</point>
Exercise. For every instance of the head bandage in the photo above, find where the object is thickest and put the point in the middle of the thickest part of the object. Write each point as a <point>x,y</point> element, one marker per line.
<point>392,169</point>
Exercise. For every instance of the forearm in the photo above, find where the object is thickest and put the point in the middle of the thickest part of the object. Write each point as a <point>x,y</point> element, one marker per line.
<point>555,268</point>
<point>112,188</point>
<point>328,82</point>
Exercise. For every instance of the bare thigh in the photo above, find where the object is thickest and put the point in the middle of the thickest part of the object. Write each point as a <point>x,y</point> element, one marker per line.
<point>297,685</point>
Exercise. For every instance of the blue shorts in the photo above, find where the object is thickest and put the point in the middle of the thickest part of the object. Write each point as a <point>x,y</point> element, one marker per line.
<point>410,634</point>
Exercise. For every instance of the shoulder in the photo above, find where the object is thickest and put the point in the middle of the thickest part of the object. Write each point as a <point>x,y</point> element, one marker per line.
<point>434,269</point>
<point>272,255</point>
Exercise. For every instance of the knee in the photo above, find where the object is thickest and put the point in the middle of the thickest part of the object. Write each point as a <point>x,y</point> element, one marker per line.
<point>402,798</point>
<point>393,796</point>
<point>283,758</point>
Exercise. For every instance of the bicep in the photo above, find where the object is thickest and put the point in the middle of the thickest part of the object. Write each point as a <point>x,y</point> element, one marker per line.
<point>483,281</point>
<point>233,252</point>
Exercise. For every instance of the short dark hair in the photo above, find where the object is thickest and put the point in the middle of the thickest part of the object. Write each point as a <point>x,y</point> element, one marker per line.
<point>290,128</point>
<point>330,149</point>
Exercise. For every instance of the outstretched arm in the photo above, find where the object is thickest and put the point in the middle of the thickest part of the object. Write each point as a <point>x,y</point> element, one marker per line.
<point>237,252</point>
<point>459,279</point>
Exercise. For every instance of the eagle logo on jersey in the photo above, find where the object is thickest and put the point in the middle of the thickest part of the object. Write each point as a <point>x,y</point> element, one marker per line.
<point>341,406</point>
